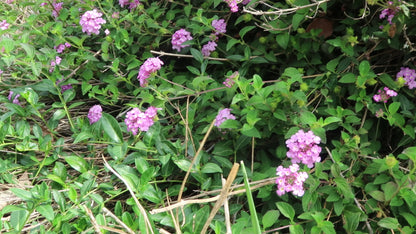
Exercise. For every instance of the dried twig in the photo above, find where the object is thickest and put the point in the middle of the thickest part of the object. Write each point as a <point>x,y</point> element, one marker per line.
<point>280,12</point>
<point>121,223</point>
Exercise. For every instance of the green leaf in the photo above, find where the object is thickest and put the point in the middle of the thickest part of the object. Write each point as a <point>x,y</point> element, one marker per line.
<point>250,131</point>
<point>47,211</point>
<point>82,136</point>
<point>307,118</point>
<point>211,168</point>
<point>390,190</point>
<point>23,194</point>
<point>194,70</point>
<point>343,187</point>
<point>378,195</point>
<point>111,127</point>
<point>270,218</point>
<point>394,107</point>
<point>257,82</point>
<point>283,40</point>
<point>364,68</point>
<point>410,153</point>
<point>286,209</point>
<point>231,43</point>
<point>18,219</point>
<point>197,55</point>
<point>183,164</point>
<point>245,30</point>
<point>231,123</point>
<point>331,65</point>
<point>77,163</point>
<point>296,229</point>
<point>296,20</point>
<point>389,223</point>
<point>58,114</point>
<point>348,78</point>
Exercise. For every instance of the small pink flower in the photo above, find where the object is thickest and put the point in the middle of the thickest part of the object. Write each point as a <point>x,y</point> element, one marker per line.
<point>222,116</point>
<point>303,148</point>
<point>15,99</point>
<point>290,180</point>
<point>94,114</point>
<point>137,120</point>
<point>208,48</point>
<point>91,22</point>
<point>4,25</point>
<point>149,66</point>
<point>107,32</point>
<point>220,26</point>
<point>229,82</point>
<point>384,95</point>
<point>179,37</point>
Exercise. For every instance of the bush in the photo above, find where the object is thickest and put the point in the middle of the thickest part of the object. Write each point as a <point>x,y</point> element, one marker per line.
<point>125,116</point>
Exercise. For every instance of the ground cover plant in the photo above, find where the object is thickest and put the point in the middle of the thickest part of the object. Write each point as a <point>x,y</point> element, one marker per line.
<point>216,116</point>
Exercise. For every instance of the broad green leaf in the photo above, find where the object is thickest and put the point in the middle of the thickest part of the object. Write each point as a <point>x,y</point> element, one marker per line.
<point>111,127</point>
<point>194,70</point>
<point>394,107</point>
<point>296,229</point>
<point>410,153</point>
<point>331,65</point>
<point>250,131</point>
<point>283,40</point>
<point>389,223</point>
<point>343,187</point>
<point>348,78</point>
<point>270,218</point>
<point>257,82</point>
<point>197,55</point>
<point>18,219</point>
<point>82,136</point>
<point>211,168</point>
<point>307,118</point>
<point>77,163</point>
<point>245,30</point>
<point>23,194</point>
<point>47,211</point>
<point>364,68</point>
<point>378,195</point>
<point>231,43</point>
<point>390,190</point>
<point>286,210</point>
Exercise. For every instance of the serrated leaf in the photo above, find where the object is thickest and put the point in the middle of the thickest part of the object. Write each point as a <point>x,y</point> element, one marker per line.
<point>389,223</point>
<point>46,211</point>
<point>194,70</point>
<point>250,131</point>
<point>308,118</point>
<point>23,194</point>
<point>348,78</point>
<point>257,82</point>
<point>197,55</point>
<point>82,136</point>
<point>283,40</point>
<point>394,107</point>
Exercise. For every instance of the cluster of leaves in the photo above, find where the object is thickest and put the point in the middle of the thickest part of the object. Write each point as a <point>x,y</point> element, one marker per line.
<point>312,65</point>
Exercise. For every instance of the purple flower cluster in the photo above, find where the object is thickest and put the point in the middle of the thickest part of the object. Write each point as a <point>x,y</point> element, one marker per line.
<point>91,22</point>
<point>222,116</point>
<point>229,82</point>
<point>57,7</point>
<point>149,66</point>
<point>208,48</point>
<point>384,94</point>
<point>137,120</point>
<point>4,25</point>
<point>63,87</point>
<point>408,75</point>
<point>131,5</point>
<point>220,26</point>
<point>61,47</point>
<point>233,4</point>
<point>15,99</point>
<point>179,37</point>
<point>95,113</point>
<point>55,62</point>
<point>303,148</point>
<point>290,180</point>
<point>389,12</point>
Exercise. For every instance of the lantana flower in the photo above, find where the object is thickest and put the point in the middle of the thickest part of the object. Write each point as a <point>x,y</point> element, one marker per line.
<point>208,48</point>
<point>384,94</point>
<point>91,22</point>
<point>179,37</point>
<point>303,148</point>
<point>137,120</point>
<point>409,76</point>
<point>290,180</point>
<point>222,116</point>
<point>149,66</point>
<point>95,113</point>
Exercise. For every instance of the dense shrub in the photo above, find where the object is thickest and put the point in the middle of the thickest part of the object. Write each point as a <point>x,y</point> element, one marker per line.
<point>124,116</point>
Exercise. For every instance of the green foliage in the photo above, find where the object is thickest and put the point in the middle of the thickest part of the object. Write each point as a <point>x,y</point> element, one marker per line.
<point>290,65</point>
